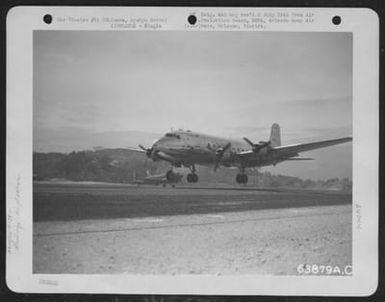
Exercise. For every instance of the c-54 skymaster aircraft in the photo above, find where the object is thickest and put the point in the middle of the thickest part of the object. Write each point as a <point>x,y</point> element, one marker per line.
<point>187,148</point>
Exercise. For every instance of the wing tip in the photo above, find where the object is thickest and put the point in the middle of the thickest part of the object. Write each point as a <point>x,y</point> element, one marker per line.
<point>349,138</point>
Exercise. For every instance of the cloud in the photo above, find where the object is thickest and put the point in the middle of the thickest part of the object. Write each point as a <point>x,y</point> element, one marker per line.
<point>95,88</point>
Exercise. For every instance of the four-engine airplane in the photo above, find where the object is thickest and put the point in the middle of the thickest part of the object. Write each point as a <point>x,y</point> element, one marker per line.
<point>187,148</point>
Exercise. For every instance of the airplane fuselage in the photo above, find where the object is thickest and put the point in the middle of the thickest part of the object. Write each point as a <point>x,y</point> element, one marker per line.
<point>188,148</point>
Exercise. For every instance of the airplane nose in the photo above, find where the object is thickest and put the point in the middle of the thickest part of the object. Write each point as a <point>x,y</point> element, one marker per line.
<point>156,144</point>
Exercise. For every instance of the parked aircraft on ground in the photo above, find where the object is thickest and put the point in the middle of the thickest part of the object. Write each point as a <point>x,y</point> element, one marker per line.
<point>171,179</point>
<point>187,148</point>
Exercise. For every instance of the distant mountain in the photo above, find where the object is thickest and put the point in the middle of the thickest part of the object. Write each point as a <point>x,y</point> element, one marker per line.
<point>118,166</point>
<point>330,162</point>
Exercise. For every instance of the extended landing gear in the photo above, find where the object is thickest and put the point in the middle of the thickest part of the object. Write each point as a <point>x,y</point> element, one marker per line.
<point>170,175</point>
<point>192,177</point>
<point>242,177</point>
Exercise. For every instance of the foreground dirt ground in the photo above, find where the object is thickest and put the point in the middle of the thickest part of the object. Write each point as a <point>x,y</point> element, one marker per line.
<point>271,241</point>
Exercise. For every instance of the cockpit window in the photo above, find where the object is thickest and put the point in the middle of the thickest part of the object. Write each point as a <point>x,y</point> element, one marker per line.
<point>173,135</point>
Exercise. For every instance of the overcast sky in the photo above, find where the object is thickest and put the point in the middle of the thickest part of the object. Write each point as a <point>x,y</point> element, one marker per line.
<point>109,88</point>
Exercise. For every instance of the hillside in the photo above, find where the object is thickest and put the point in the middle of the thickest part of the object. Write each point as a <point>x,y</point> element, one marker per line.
<point>119,165</point>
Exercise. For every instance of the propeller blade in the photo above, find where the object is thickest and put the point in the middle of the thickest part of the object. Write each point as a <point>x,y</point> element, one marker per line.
<point>256,147</point>
<point>248,141</point>
<point>220,153</point>
<point>226,147</point>
<point>148,150</point>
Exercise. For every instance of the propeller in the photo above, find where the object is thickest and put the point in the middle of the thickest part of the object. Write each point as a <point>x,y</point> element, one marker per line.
<point>148,150</point>
<point>219,154</point>
<point>257,147</point>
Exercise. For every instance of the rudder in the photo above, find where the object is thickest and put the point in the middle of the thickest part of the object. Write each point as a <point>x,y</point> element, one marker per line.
<point>275,136</point>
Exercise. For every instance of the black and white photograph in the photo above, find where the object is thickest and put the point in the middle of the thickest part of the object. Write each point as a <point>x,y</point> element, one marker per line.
<point>192,153</point>
<point>212,149</point>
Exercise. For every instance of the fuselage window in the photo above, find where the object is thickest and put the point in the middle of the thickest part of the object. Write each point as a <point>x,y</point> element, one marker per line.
<point>172,135</point>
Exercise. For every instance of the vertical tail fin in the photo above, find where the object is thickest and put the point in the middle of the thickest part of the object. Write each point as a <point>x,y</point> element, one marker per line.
<point>275,136</point>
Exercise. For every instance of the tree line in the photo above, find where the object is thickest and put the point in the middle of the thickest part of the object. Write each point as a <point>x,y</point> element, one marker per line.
<point>120,165</point>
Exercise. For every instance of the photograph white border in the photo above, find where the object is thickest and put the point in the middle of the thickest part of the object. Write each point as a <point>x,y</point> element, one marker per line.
<point>22,21</point>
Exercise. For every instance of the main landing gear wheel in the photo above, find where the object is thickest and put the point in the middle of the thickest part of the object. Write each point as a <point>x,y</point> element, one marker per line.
<point>242,178</point>
<point>192,177</point>
<point>169,175</point>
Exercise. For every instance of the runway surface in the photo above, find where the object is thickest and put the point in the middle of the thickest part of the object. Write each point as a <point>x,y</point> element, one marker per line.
<point>122,229</point>
<point>68,202</point>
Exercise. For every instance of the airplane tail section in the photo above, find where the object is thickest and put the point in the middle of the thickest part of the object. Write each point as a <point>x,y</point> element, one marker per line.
<point>275,136</point>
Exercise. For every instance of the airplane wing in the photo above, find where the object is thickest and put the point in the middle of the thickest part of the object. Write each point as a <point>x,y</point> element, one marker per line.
<point>135,150</point>
<point>282,153</point>
<point>297,148</point>
<point>155,156</point>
